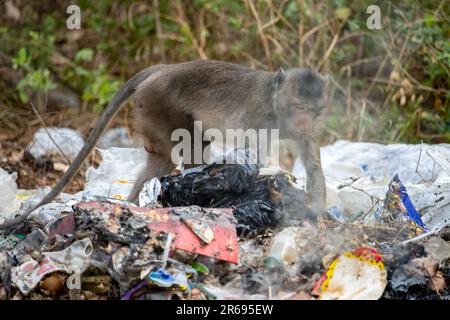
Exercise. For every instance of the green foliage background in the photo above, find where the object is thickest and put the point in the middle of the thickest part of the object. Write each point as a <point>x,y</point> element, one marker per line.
<point>388,85</point>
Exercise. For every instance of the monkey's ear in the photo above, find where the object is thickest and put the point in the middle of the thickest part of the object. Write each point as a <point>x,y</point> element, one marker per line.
<point>279,78</point>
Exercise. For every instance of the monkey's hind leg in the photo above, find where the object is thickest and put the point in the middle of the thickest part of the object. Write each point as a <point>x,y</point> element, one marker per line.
<point>158,165</point>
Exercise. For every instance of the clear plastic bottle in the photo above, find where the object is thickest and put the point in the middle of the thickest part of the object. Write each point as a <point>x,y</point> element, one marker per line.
<point>283,250</point>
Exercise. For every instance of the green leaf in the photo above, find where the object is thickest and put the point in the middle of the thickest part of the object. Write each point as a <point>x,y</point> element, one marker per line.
<point>87,96</point>
<point>185,30</point>
<point>86,54</point>
<point>342,13</point>
<point>200,267</point>
<point>21,57</point>
<point>34,35</point>
<point>429,20</point>
<point>23,97</point>
<point>234,22</point>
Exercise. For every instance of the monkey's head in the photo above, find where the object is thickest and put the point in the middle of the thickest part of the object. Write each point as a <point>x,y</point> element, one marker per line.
<point>300,97</point>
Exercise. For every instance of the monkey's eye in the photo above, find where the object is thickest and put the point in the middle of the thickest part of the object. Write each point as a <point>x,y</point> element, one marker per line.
<point>301,107</point>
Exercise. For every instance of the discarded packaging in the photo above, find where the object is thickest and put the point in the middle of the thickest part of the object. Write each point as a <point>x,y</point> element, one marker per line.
<point>115,137</point>
<point>189,250</point>
<point>197,225</point>
<point>33,243</point>
<point>8,193</point>
<point>72,259</point>
<point>355,275</point>
<point>284,249</point>
<point>11,241</point>
<point>163,279</point>
<point>62,226</point>
<point>150,193</point>
<point>115,176</point>
<point>50,141</point>
<point>398,202</point>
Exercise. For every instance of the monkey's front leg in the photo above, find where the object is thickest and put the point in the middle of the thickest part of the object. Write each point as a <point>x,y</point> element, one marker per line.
<point>315,181</point>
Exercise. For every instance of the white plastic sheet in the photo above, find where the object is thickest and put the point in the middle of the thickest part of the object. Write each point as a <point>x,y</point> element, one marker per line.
<point>116,137</point>
<point>69,141</point>
<point>8,191</point>
<point>422,168</point>
<point>116,174</point>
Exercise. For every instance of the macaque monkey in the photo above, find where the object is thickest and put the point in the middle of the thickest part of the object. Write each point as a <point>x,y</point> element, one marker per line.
<point>223,96</point>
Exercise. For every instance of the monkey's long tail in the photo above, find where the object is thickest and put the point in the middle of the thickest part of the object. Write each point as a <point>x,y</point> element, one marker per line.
<point>111,110</point>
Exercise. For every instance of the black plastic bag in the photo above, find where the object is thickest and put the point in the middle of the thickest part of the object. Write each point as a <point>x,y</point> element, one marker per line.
<point>258,202</point>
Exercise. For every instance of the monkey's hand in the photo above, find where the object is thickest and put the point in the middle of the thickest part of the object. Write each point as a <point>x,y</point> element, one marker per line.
<point>315,189</point>
<point>315,180</point>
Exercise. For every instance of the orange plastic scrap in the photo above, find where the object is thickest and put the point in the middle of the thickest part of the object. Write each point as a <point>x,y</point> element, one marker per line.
<point>222,243</point>
<point>354,275</point>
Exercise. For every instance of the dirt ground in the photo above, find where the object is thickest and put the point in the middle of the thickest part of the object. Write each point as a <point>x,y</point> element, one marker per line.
<point>32,173</point>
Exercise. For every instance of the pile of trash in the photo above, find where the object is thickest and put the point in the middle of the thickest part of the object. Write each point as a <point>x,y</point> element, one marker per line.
<point>239,231</point>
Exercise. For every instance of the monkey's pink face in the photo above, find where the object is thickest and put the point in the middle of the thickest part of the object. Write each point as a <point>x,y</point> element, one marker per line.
<point>299,116</point>
<point>299,123</point>
<point>302,122</point>
<point>301,99</point>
